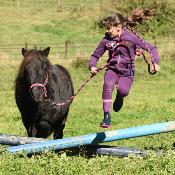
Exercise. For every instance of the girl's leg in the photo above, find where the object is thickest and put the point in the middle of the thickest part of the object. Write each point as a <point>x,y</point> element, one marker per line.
<point>110,79</point>
<point>124,86</point>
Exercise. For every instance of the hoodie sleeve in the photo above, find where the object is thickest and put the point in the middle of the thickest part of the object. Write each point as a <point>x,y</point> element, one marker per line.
<point>146,46</point>
<point>99,51</point>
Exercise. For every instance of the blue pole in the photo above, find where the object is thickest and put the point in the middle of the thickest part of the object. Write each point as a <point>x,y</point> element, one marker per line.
<point>95,138</point>
<point>6,139</point>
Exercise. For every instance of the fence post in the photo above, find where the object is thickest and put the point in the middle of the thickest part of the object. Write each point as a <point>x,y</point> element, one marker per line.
<point>81,5</point>
<point>59,5</point>
<point>13,2</point>
<point>35,46</point>
<point>26,45</point>
<point>66,49</point>
<point>58,55</point>
<point>101,5</point>
<point>155,42</point>
<point>78,55</point>
<point>18,3</point>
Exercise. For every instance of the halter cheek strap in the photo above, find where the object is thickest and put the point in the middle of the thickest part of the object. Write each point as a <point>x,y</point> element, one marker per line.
<point>41,85</point>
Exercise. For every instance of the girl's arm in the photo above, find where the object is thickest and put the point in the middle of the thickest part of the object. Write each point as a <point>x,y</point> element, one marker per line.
<point>99,51</point>
<point>146,46</point>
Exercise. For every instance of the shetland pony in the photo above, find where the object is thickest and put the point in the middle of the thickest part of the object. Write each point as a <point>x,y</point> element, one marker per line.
<point>39,88</point>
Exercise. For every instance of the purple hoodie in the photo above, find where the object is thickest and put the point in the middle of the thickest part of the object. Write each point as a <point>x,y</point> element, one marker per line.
<point>122,52</point>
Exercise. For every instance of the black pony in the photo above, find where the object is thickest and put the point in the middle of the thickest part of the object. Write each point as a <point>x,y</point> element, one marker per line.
<point>39,88</point>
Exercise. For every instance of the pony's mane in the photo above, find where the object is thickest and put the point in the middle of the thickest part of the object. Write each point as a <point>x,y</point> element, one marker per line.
<point>29,57</point>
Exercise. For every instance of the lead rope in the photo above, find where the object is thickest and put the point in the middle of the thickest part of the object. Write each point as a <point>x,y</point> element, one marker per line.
<point>81,87</point>
<point>149,66</point>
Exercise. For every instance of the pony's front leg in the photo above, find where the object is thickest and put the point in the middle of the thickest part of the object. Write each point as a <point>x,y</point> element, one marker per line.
<point>58,134</point>
<point>31,131</point>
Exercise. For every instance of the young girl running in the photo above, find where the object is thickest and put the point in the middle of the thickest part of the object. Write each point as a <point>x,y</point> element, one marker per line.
<point>121,44</point>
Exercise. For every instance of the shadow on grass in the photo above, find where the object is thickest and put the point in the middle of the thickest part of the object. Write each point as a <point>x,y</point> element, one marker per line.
<point>91,151</point>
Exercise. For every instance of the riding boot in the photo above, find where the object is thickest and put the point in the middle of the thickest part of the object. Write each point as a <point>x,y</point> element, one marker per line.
<point>118,103</point>
<point>106,121</point>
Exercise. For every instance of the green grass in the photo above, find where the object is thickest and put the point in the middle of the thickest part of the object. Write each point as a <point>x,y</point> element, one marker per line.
<point>151,100</point>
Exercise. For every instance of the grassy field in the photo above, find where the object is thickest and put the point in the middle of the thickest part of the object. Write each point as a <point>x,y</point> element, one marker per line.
<point>151,99</point>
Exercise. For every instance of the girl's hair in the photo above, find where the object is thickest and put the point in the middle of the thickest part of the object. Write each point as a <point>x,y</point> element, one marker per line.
<point>138,16</point>
<point>114,20</point>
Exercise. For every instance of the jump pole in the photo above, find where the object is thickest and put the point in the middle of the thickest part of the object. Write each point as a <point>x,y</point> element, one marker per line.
<point>95,138</point>
<point>112,150</point>
<point>6,139</point>
<point>13,140</point>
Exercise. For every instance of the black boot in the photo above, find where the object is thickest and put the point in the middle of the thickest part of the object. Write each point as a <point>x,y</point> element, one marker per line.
<point>118,103</point>
<point>106,121</point>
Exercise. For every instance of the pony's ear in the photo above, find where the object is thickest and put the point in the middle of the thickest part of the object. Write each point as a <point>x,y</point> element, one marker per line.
<point>46,51</point>
<point>24,51</point>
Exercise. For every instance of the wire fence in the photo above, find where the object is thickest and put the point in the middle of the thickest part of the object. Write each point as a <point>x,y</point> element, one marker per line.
<point>73,51</point>
<point>67,50</point>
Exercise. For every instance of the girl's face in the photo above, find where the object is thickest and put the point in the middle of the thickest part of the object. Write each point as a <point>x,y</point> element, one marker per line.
<point>114,30</point>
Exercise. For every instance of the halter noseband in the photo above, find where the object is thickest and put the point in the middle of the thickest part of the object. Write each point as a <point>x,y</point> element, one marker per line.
<point>41,85</point>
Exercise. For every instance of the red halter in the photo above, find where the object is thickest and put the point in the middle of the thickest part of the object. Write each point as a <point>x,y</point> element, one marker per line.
<point>41,85</point>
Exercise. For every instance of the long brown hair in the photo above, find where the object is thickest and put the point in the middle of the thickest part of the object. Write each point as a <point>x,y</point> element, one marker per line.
<point>137,16</point>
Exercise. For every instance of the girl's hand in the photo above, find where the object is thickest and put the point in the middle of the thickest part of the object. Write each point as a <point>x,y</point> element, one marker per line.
<point>156,67</point>
<point>138,52</point>
<point>94,70</point>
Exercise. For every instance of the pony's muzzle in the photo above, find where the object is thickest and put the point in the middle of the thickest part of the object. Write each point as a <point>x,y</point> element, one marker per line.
<point>38,93</point>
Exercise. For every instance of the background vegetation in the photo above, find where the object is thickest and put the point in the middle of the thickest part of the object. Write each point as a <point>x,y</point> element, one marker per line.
<point>151,100</point>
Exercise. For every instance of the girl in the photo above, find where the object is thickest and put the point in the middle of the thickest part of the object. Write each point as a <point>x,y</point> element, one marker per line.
<point>121,44</point>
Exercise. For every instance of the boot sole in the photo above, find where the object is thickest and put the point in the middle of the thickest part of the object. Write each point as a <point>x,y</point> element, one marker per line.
<point>103,125</point>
